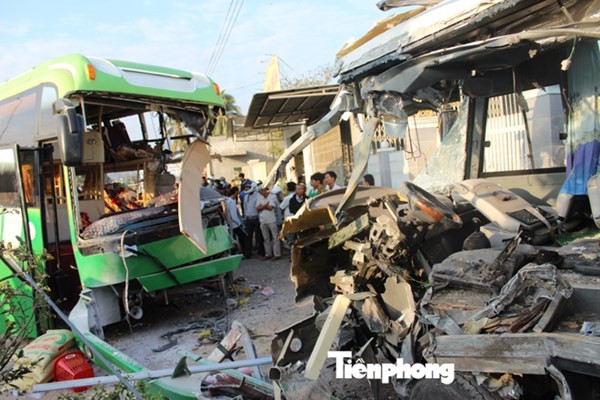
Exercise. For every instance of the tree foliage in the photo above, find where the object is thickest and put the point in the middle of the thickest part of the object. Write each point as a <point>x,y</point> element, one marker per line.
<point>231,110</point>
<point>321,75</point>
<point>19,307</point>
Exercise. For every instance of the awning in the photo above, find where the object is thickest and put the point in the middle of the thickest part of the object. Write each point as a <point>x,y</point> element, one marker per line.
<point>286,107</point>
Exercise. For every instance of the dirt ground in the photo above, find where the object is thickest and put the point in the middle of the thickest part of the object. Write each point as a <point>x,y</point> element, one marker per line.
<point>199,310</point>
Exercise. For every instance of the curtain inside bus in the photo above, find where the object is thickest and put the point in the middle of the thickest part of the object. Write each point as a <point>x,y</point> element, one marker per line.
<point>583,142</point>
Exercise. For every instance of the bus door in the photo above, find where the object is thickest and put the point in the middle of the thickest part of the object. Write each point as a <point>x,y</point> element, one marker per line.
<point>47,213</point>
<point>21,226</point>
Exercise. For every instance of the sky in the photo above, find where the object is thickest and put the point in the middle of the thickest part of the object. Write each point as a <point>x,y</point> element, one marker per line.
<point>304,34</point>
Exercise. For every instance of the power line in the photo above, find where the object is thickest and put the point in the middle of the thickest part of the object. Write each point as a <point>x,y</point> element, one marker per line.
<point>228,25</point>
<point>232,24</point>
<point>212,56</point>
<point>245,86</point>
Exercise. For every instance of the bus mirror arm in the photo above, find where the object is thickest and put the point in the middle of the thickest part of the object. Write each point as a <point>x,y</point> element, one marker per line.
<point>70,132</point>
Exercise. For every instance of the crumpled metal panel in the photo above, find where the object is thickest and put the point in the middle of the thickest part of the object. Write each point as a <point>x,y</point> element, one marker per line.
<point>194,161</point>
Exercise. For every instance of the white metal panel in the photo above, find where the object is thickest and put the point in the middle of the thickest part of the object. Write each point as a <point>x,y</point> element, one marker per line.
<point>196,158</point>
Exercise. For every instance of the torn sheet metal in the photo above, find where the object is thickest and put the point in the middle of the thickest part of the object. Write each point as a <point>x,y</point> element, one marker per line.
<point>305,219</point>
<point>456,21</point>
<point>195,159</point>
<point>485,270</point>
<point>400,306</point>
<point>385,5</point>
<point>519,353</point>
<point>590,328</point>
<point>349,231</point>
<point>319,210</point>
<point>312,265</point>
<point>518,297</point>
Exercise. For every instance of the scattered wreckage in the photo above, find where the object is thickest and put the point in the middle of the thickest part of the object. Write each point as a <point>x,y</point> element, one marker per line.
<point>464,265</point>
<point>507,319</point>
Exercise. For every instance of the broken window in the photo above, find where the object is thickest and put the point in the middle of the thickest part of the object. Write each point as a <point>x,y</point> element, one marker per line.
<point>447,165</point>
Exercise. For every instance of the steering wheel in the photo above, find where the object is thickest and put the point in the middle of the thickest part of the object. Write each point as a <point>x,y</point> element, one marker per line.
<point>432,210</point>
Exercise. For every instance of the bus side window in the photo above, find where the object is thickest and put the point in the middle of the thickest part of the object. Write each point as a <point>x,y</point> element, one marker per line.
<point>47,127</point>
<point>29,178</point>
<point>9,187</point>
<point>17,118</point>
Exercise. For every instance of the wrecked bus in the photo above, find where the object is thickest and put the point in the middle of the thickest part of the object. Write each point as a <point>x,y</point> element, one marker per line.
<point>472,264</point>
<point>90,149</point>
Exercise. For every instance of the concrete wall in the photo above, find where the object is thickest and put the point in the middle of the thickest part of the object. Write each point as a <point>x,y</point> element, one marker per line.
<point>246,154</point>
<point>327,154</point>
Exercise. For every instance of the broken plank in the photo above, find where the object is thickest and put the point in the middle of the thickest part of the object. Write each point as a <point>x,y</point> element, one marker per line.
<point>248,346</point>
<point>326,337</point>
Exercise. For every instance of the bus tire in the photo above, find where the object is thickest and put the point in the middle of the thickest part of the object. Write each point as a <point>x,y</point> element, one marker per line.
<point>463,387</point>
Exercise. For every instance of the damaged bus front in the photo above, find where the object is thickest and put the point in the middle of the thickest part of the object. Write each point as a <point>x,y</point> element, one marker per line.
<point>91,149</point>
<point>463,266</point>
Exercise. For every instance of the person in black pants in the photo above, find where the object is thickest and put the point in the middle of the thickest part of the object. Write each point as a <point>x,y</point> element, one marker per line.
<point>235,220</point>
<point>251,222</point>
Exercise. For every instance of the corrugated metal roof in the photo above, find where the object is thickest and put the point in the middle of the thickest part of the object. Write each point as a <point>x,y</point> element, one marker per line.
<point>286,107</point>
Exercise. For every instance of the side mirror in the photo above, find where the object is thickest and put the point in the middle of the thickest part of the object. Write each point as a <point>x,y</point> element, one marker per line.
<point>70,132</point>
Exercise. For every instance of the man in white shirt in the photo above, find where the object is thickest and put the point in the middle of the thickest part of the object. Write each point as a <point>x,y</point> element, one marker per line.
<point>251,220</point>
<point>329,181</point>
<point>285,203</point>
<point>265,206</point>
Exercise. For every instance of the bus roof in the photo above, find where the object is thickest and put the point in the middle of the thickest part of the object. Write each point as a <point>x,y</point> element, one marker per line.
<point>77,73</point>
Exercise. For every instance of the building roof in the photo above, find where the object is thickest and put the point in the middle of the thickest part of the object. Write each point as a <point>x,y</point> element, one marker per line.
<point>286,107</point>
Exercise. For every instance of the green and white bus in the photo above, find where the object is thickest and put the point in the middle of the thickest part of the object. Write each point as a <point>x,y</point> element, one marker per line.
<point>87,147</point>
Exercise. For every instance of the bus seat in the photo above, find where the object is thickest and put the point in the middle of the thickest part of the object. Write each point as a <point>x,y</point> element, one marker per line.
<point>118,136</point>
<point>165,183</point>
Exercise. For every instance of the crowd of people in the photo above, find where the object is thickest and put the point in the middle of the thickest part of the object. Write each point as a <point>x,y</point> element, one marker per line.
<point>256,212</point>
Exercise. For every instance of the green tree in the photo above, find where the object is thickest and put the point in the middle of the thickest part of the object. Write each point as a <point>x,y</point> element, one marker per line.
<point>231,110</point>
<point>321,75</point>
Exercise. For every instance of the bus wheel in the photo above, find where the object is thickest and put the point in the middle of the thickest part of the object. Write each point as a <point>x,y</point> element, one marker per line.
<point>463,387</point>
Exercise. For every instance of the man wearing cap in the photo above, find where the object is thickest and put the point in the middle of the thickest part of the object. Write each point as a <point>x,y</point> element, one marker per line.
<point>246,185</point>
<point>265,206</point>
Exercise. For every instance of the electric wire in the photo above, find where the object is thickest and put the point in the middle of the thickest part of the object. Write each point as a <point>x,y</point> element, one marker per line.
<point>230,21</point>
<point>212,56</point>
<point>227,35</point>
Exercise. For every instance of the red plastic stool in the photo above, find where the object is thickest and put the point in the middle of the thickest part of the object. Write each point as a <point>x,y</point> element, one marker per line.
<point>71,366</point>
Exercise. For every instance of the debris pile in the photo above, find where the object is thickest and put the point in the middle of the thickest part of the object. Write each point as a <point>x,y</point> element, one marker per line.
<point>493,313</point>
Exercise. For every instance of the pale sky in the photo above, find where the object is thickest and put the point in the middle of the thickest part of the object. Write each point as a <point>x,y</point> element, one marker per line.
<point>183,33</point>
